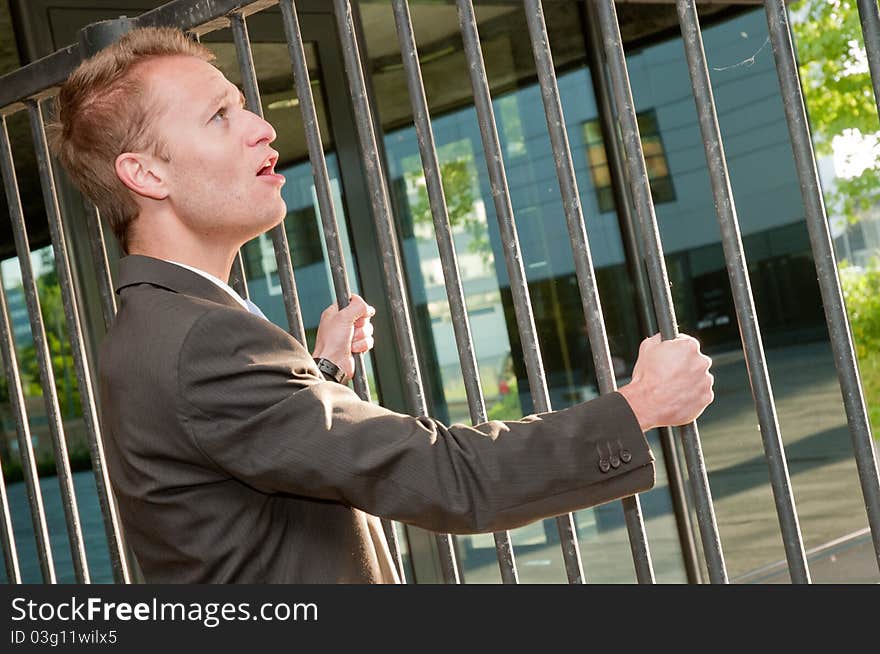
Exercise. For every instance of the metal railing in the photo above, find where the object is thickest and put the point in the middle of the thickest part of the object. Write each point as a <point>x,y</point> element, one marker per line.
<point>28,89</point>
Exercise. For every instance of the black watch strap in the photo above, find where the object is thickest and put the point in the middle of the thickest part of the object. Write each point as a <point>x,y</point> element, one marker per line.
<point>330,370</point>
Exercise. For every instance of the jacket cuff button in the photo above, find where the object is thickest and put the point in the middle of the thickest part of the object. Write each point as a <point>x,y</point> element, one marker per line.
<point>625,456</point>
<point>615,461</point>
<point>604,465</point>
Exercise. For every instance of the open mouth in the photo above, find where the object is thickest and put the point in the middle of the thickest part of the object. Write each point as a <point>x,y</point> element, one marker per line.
<point>268,166</point>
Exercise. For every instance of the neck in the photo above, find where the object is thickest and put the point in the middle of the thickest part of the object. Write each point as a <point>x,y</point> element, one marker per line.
<point>172,242</point>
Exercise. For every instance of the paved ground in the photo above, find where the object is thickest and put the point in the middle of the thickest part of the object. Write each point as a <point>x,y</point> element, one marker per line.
<point>823,477</point>
<point>850,559</point>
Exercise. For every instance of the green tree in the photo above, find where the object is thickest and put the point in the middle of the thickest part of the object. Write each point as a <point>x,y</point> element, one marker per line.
<point>61,354</point>
<point>837,91</point>
<point>840,100</point>
<point>861,291</point>
<point>457,176</point>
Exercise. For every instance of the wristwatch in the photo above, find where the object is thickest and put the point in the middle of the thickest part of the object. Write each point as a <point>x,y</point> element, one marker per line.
<point>330,370</point>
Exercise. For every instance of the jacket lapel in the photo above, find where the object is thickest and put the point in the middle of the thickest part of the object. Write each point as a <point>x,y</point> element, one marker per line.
<point>139,269</point>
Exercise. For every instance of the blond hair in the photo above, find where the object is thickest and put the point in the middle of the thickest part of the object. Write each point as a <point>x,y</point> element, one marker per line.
<point>104,109</point>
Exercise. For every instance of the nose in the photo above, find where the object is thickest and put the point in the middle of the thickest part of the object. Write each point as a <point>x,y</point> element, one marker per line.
<point>261,131</point>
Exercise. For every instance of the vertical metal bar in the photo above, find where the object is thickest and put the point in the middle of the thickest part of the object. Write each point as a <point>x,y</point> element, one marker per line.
<point>102,266</point>
<point>647,321</point>
<point>50,395</point>
<point>826,267</point>
<point>742,292</point>
<point>446,246</point>
<point>869,15</point>
<point>237,278</point>
<point>108,306</point>
<point>335,255</point>
<point>106,499</point>
<point>279,236</point>
<point>7,536</point>
<point>663,305</point>
<point>381,207</point>
<point>10,362</point>
<point>512,256</point>
<point>50,398</point>
<point>583,259</point>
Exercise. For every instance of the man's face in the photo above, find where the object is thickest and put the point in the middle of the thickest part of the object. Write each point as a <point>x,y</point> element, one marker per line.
<point>220,178</point>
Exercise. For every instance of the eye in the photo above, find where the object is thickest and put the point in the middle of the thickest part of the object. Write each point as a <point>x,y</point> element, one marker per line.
<point>221,114</point>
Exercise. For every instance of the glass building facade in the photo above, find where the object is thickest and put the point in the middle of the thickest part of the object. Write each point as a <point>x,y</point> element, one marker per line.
<point>774,235</point>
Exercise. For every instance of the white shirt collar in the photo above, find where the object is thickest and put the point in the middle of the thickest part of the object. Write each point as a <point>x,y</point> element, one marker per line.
<point>219,282</point>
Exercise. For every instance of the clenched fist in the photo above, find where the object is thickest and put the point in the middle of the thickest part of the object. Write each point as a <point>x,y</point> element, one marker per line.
<point>344,332</point>
<point>671,384</point>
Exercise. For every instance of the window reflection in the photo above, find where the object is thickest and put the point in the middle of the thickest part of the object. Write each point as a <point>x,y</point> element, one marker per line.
<point>662,189</point>
<point>67,391</point>
<point>770,210</point>
<point>547,260</point>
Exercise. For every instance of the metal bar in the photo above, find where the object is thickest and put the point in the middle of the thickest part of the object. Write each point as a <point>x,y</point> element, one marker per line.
<point>7,536</point>
<point>47,380</point>
<point>108,306</point>
<point>201,16</point>
<point>10,365</point>
<point>381,207</point>
<point>869,15</point>
<point>645,311</point>
<point>102,265</point>
<point>663,305</point>
<point>335,255</point>
<point>742,292</point>
<point>279,236</point>
<point>106,499</point>
<point>7,533</point>
<point>446,246</point>
<point>512,256</point>
<point>826,267</point>
<point>38,77</point>
<point>237,277</point>
<point>94,37</point>
<point>583,259</point>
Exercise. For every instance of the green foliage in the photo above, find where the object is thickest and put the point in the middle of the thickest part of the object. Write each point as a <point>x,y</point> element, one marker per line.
<point>829,39</point>
<point>837,89</point>
<point>869,366</point>
<point>60,352</point>
<point>457,177</point>
<point>79,456</point>
<point>861,291</point>
<point>508,407</point>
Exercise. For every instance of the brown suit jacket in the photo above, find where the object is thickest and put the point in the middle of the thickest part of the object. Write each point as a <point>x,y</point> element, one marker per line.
<point>234,461</point>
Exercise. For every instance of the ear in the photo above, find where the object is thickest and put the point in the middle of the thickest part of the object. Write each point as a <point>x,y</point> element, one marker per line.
<point>143,174</point>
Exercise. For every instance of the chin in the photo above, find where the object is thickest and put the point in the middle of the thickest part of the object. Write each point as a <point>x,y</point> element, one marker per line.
<point>279,210</point>
<point>270,222</point>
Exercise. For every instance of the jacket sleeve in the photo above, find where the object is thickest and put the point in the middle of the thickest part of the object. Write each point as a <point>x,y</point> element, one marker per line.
<point>254,404</point>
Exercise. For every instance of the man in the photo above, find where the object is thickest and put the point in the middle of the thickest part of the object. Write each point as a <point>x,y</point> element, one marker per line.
<point>232,457</point>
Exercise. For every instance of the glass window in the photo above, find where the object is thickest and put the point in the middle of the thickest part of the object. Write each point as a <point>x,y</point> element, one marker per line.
<point>662,189</point>
<point>70,408</point>
<point>773,232</point>
<point>545,250</point>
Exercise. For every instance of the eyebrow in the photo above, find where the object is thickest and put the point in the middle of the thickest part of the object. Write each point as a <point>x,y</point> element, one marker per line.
<point>221,97</point>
